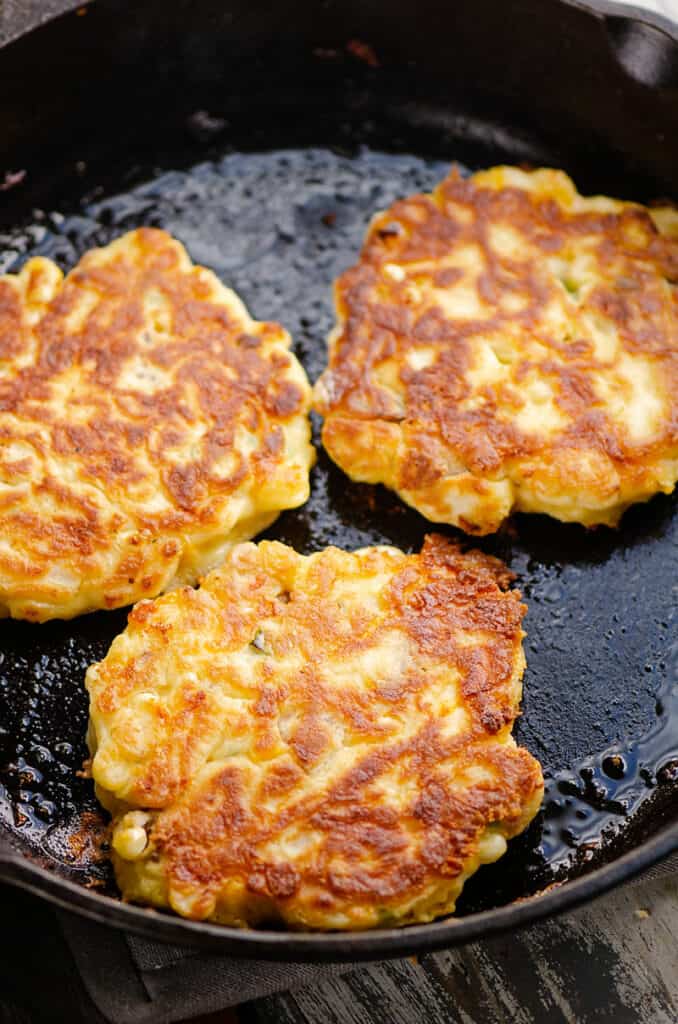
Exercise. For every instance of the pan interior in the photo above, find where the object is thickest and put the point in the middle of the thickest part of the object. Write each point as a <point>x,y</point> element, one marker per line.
<point>600,708</point>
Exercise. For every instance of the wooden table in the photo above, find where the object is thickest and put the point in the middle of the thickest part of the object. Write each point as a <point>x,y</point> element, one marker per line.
<point>613,961</point>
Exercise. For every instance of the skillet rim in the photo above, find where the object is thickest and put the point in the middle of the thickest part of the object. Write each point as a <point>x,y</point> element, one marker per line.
<point>632,12</point>
<point>383,943</point>
<point>17,869</point>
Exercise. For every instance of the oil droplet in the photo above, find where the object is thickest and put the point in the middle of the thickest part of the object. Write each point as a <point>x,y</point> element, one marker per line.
<point>614,766</point>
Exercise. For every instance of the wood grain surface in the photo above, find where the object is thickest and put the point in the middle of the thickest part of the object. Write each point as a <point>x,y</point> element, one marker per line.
<point>613,961</point>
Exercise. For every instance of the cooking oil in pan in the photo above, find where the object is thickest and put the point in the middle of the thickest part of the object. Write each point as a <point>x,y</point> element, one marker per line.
<point>600,704</point>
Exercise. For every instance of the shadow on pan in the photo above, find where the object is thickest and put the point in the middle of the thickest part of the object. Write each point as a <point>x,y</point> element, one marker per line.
<point>265,142</point>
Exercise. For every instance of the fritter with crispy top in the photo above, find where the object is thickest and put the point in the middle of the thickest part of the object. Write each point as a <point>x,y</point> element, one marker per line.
<point>505,343</point>
<point>323,741</point>
<point>147,424</point>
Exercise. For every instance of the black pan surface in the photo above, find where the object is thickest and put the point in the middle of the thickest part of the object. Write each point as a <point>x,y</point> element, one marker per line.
<point>278,223</point>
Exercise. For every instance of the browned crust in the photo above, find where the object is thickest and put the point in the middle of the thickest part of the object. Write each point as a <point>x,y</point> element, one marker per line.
<point>406,814</point>
<point>113,480</point>
<point>425,419</point>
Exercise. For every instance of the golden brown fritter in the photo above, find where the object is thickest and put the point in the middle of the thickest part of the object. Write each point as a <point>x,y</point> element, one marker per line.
<point>506,343</point>
<point>323,741</point>
<point>147,423</point>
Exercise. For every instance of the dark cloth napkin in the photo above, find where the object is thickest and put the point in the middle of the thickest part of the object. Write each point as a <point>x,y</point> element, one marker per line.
<point>134,981</point>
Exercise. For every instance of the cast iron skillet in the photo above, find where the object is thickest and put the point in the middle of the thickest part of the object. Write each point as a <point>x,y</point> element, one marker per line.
<point>264,135</point>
